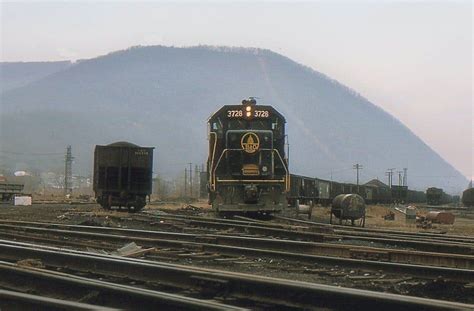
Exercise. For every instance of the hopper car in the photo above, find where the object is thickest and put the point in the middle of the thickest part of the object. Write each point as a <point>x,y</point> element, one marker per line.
<point>123,175</point>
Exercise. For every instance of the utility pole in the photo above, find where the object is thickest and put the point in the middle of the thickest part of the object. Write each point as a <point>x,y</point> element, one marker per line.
<point>191,179</point>
<point>405,176</point>
<point>68,171</point>
<point>196,179</point>
<point>399,177</point>
<point>185,181</point>
<point>357,167</point>
<point>389,173</point>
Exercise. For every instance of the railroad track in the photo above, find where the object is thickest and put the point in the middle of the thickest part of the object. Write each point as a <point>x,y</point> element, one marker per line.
<point>420,264</point>
<point>222,285</point>
<point>352,232</point>
<point>315,233</point>
<point>338,229</point>
<point>10,300</point>
<point>76,288</point>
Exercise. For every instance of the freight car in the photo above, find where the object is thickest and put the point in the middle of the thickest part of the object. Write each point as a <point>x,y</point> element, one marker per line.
<point>303,190</point>
<point>247,164</point>
<point>414,196</point>
<point>8,190</point>
<point>433,195</point>
<point>307,190</point>
<point>123,175</point>
<point>399,194</point>
<point>468,197</point>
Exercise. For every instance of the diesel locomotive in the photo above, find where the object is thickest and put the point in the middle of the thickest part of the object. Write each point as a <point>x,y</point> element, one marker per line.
<point>247,163</point>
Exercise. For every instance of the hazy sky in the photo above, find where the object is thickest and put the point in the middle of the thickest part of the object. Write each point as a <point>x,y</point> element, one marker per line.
<point>413,59</point>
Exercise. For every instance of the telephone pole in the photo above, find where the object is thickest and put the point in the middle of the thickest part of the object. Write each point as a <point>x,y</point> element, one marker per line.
<point>389,173</point>
<point>68,171</point>
<point>399,177</point>
<point>357,167</point>
<point>191,179</point>
<point>196,178</point>
<point>185,181</point>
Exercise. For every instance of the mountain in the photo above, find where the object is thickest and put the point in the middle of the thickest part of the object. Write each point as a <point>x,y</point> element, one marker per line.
<point>18,74</point>
<point>162,96</point>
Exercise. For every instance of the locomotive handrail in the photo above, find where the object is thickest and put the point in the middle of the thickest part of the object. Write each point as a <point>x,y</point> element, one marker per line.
<point>213,171</point>
<point>253,180</point>
<point>212,160</point>
<point>287,175</point>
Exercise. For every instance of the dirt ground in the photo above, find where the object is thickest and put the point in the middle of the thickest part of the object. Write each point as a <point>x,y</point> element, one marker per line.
<point>75,213</point>
<point>463,224</point>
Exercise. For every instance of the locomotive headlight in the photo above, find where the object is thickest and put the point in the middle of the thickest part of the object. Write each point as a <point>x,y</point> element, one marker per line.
<point>248,108</point>
<point>248,114</point>
<point>264,169</point>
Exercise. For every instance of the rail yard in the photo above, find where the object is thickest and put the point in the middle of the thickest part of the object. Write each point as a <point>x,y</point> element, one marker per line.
<point>259,237</point>
<point>168,255</point>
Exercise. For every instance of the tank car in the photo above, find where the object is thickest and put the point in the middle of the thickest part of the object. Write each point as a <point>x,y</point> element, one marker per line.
<point>123,175</point>
<point>468,197</point>
<point>247,164</point>
<point>348,207</point>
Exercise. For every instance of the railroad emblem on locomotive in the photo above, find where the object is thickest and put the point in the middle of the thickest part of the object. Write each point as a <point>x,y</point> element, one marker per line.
<point>250,142</point>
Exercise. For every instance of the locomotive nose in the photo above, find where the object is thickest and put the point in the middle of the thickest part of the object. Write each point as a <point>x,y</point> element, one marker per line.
<point>250,194</point>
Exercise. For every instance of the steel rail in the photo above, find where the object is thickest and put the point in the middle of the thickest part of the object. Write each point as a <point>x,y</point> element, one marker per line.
<point>275,291</point>
<point>287,250</point>
<point>258,228</point>
<point>115,295</point>
<point>351,230</point>
<point>16,300</point>
<point>155,238</point>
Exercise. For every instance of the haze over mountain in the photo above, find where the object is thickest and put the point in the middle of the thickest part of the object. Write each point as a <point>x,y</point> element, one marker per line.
<point>162,96</point>
<point>17,74</point>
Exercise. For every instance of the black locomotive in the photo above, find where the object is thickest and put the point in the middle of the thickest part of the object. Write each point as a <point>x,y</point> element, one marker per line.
<point>247,168</point>
<point>123,175</point>
<point>247,165</point>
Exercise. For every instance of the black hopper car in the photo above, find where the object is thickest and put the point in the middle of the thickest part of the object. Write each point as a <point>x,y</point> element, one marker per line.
<point>468,197</point>
<point>9,190</point>
<point>310,190</point>
<point>436,196</point>
<point>247,166</point>
<point>123,175</point>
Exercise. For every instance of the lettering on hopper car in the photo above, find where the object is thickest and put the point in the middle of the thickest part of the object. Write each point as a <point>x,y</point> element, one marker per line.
<point>141,152</point>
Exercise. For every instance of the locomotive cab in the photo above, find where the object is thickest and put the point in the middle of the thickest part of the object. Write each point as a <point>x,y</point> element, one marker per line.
<point>247,167</point>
